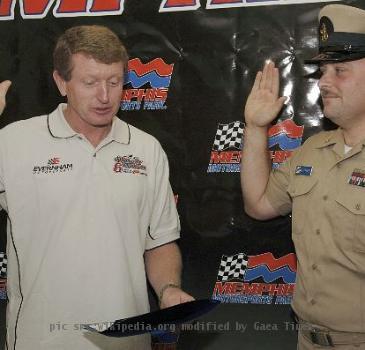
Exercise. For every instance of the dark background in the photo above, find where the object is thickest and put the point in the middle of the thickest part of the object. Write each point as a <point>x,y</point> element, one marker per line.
<point>216,54</point>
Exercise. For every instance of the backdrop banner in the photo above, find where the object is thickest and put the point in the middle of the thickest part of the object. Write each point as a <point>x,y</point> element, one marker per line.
<point>192,64</point>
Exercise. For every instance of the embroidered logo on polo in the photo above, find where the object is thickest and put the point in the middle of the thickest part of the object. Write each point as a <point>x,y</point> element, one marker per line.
<point>130,165</point>
<point>54,165</point>
<point>357,178</point>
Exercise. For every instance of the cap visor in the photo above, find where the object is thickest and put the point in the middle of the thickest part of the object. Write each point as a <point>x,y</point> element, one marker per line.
<point>335,57</point>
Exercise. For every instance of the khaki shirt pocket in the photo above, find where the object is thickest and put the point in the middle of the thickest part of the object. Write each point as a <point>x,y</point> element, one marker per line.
<point>301,190</point>
<point>353,200</point>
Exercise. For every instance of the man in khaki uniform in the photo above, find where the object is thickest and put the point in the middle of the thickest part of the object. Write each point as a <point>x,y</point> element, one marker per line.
<point>322,184</point>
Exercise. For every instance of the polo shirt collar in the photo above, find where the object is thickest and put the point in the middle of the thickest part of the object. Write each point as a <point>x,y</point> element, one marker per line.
<point>120,131</point>
<point>57,124</point>
<point>59,127</point>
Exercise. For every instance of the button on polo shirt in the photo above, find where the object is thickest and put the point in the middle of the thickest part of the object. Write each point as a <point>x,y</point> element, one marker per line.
<point>328,211</point>
<point>81,218</point>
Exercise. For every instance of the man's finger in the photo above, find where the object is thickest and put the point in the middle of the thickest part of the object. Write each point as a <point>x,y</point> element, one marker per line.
<point>275,82</point>
<point>4,86</point>
<point>264,76</point>
<point>256,84</point>
<point>280,103</point>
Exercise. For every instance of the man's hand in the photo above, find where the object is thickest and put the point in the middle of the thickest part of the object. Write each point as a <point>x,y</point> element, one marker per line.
<point>163,267</point>
<point>263,103</point>
<point>172,296</point>
<point>4,86</point>
<point>262,107</point>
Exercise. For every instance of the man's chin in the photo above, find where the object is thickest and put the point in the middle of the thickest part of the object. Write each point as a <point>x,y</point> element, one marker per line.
<point>332,117</point>
<point>102,120</point>
<point>102,125</point>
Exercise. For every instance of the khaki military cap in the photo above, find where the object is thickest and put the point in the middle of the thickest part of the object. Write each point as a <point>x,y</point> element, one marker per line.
<point>341,33</point>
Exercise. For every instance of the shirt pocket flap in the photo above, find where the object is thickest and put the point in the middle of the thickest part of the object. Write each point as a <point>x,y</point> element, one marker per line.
<point>352,201</point>
<point>301,185</point>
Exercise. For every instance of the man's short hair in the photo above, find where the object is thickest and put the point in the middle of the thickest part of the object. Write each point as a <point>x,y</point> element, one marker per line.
<point>95,41</point>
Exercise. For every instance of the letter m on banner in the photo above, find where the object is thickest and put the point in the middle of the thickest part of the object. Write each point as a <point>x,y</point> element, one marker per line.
<point>63,8</point>
<point>179,5</point>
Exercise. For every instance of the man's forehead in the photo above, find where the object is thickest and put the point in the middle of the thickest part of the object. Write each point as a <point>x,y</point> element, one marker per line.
<point>352,64</point>
<point>88,64</point>
<point>334,63</point>
<point>85,57</point>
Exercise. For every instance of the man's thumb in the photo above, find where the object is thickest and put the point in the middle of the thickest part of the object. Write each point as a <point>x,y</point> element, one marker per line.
<point>4,86</point>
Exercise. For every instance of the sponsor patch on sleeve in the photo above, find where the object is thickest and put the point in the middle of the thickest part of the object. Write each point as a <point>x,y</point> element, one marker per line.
<point>304,170</point>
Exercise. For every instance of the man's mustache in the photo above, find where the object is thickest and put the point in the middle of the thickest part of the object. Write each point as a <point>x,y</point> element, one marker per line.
<point>326,92</point>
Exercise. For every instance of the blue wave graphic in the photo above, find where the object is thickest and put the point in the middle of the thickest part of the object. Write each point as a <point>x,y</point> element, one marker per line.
<point>285,142</point>
<point>263,271</point>
<point>153,78</point>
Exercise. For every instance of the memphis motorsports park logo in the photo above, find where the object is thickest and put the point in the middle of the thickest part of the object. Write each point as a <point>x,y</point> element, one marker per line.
<point>3,267</point>
<point>53,166</point>
<point>284,137</point>
<point>227,150</point>
<point>256,279</point>
<point>146,85</point>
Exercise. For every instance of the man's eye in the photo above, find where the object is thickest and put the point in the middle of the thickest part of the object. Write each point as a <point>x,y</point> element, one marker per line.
<point>114,83</point>
<point>89,82</point>
<point>340,69</point>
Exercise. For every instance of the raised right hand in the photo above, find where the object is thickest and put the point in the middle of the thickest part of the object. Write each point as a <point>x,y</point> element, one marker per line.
<point>263,104</point>
<point>4,86</point>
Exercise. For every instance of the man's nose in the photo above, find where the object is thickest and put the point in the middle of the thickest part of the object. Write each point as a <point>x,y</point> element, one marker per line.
<point>325,79</point>
<point>103,92</point>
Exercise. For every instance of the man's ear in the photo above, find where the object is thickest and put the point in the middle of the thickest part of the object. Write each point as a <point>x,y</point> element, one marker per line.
<point>60,82</point>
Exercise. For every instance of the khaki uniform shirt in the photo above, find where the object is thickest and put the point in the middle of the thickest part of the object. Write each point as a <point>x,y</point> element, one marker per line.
<point>325,190</point>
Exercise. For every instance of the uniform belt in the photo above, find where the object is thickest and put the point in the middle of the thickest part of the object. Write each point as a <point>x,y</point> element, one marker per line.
<point>325,337</point>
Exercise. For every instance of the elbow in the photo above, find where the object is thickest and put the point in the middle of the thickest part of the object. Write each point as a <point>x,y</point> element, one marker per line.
<point>256,213</point>
<point>253,212</point>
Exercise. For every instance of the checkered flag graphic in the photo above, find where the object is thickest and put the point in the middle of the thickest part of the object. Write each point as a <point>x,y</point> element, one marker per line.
<point>228,136</point>
<point>3,265</point>
<point>232,267</point>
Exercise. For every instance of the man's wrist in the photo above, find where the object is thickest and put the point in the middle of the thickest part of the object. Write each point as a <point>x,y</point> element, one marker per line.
<point>164,288</point>
<point>250,126</point>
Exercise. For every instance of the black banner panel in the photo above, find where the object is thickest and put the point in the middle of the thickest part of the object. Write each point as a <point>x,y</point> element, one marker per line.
<point>192,64</point>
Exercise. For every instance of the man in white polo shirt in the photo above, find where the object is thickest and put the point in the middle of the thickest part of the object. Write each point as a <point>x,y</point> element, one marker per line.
<point>90,207</point>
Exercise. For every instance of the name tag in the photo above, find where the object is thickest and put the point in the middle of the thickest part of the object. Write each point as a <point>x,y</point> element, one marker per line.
<point>357,178</point>
<point>304,170</point>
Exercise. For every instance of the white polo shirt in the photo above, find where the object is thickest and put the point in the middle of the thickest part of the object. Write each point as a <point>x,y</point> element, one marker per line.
<point>80,221</point>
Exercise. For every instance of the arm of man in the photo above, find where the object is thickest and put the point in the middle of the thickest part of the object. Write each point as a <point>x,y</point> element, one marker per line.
<point>262,107</point>
<point>4,86</point>
<point>163,267</point>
